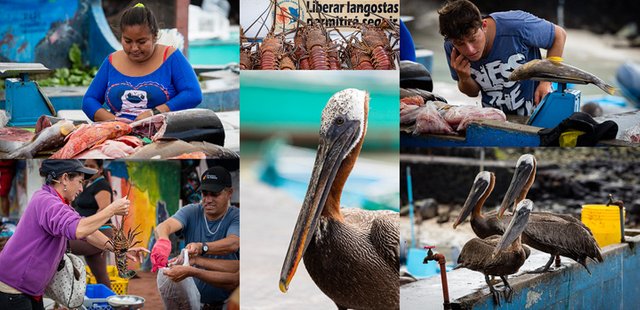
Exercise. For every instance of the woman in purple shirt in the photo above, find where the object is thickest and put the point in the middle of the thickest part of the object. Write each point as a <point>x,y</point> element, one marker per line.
<point>31,256</point>
<point>142,79</point>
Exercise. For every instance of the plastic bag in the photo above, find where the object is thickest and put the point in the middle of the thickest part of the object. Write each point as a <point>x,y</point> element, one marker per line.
<point>632,134</point>
<point>181,295</point>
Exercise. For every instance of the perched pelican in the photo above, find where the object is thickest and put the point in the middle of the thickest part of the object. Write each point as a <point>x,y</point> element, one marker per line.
<point>351,254</point>
<point>556,234</point>
<point>499,256</point>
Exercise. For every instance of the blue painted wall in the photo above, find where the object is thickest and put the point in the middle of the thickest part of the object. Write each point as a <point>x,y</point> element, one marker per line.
<point>613,284</point>
<point>40,30</point>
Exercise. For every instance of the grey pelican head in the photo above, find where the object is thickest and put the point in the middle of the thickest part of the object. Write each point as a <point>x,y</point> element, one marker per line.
<point>516,226</point>
<point>522,180</point>
<point>342,130</point>
<point>480,190</point>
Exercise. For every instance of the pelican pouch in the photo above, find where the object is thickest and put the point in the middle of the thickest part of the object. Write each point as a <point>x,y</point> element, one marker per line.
<point>579,129</point>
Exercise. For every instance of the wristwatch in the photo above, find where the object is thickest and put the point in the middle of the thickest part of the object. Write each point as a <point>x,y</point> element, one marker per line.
<point>155,111</point>
<point>205,248</point>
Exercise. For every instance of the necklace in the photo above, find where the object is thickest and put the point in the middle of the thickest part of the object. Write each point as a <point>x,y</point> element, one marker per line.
<point>204,217</point>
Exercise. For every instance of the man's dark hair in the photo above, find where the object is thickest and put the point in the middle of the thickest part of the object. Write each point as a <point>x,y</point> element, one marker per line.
<point>458,19</point>
<point>139,15</point>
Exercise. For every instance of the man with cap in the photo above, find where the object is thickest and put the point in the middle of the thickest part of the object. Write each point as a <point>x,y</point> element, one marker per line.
<point>211,230</point>
<point>31,256</point>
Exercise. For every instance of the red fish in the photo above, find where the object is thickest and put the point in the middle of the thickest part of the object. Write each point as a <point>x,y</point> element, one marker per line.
<point>87,136</point>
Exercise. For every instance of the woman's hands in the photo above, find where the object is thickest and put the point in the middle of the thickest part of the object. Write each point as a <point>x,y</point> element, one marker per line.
<point>120,206</point>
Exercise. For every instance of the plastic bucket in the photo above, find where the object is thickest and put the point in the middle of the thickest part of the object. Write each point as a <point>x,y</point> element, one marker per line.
<point>415,266</point>
<point>604,222</point>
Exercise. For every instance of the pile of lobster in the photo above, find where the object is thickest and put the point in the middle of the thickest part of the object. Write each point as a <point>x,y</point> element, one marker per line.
<point>310,47</point>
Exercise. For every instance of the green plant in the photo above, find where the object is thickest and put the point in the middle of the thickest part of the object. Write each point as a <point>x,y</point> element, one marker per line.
<point>78,75</point>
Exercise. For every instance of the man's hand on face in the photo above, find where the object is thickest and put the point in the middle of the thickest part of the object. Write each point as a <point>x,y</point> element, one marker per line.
<point>460,64</point>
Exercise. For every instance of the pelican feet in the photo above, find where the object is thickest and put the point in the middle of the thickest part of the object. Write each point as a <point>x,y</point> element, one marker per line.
<point>508,291</point>
<point>494,292</point>
<point>546,267</point>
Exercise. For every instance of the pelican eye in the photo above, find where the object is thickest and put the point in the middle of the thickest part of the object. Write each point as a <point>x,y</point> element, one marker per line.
<point>340,120</point>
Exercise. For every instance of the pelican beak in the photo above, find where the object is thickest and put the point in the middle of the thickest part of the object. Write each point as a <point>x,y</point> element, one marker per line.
<point>482,186</point>
<point>516,226</point>
<point>520,183</point>
<point>334,147</point>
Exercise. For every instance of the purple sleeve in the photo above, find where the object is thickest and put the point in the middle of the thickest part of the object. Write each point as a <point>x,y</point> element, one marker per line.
<point>537,32</point>
<point>59,219</point>
<point>188,92</point>
<point>94,97</point>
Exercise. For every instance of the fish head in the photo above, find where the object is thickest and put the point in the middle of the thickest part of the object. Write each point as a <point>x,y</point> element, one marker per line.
<point>342,130</point>
<point>117,128</point>
<point>524,72</point>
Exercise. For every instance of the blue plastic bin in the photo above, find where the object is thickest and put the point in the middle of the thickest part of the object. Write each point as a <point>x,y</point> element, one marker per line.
<point>96,296</point>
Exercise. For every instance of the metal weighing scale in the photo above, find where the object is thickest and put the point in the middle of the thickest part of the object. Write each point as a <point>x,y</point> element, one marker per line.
<point>25,100</point>
<point>557,105</point>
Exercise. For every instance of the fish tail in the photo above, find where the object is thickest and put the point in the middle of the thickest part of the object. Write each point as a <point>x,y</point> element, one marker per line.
<point>607,88</point>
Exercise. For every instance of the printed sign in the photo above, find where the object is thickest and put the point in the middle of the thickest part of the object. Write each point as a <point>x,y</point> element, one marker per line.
<point>334,13</point>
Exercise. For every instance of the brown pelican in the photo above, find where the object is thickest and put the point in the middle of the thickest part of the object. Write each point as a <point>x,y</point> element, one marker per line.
<point>499,256</point>
<point>556,234</point>
<point>351,254</point>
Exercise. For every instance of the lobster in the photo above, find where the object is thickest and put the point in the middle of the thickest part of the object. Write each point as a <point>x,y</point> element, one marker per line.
<point>270,51</point>
<point>121,243</point>
<point>246,61</point>
<point>316,44</point>
<point>377,41</point>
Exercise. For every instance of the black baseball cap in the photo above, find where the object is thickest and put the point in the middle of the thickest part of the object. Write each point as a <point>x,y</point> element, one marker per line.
<point>56,167</point>
<point>215,179</point>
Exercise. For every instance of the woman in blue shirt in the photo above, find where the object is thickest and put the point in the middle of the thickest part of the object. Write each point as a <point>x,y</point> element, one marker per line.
<point>144,78</point>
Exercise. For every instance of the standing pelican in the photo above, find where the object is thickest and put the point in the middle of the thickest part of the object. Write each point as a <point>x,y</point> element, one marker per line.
<point>351,254</point>
<point>499,256</point>
<point>556,234</point>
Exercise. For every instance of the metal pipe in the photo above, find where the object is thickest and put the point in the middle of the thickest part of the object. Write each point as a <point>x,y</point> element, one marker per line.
<point>442,261</point>
<point>411,216</point>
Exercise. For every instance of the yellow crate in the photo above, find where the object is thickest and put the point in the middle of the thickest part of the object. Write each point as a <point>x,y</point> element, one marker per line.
<point>112,271</point>
<point>90,278</point>
<point>119,285</point>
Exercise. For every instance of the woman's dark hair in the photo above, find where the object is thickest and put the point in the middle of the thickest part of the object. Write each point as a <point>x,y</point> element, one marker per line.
<point>139,15</point>
<point>458,19</point>
<point>52,176</point>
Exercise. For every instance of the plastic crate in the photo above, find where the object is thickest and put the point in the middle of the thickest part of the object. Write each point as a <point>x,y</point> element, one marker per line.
<point>112,271</point>
<point>96,296</point>
<point>119,285</point>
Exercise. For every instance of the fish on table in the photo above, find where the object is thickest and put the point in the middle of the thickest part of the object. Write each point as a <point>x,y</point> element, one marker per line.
<point>168,148</point>
<point>12,138</point>
<point>88,135</point>
<point>187,125</point>
<point>551,69</point>
<point>48,138</point>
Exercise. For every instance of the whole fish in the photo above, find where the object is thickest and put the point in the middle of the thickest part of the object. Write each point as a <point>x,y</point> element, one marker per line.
<point>187,125</point>
<point>89,135</point>
<point>167,148</point>
<point>556,71</point>
<point>48,138</point>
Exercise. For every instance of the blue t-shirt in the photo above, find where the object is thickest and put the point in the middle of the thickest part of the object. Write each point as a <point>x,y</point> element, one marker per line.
<point>194,230</point>
<point>174,83</point>
<point>519,37</point>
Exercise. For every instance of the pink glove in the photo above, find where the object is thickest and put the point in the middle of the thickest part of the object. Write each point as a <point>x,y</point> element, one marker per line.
<point>160,254</point>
